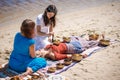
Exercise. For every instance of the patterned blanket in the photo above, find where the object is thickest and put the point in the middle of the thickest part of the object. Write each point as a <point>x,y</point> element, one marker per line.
<point>6,73</point>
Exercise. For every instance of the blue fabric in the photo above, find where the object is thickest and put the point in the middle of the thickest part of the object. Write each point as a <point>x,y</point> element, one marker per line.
<point>77,46</point>
<point>37,63</point>
<point>20,58</point>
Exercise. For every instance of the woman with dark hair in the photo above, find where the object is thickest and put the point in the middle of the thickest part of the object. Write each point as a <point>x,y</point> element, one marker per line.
<point>45,24</point>
<point>23,58</point>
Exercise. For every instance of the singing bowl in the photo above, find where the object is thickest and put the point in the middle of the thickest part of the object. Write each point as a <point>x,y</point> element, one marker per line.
<point>103,42</point>
<point>66,39</point>
<point>15,78</point>
<point>93,36</point>
<point>59,65</point>
<point>51,69</point>
<point>67,61</point>
<point>56,41</point>
<point>35,76</point>
<point>30,79</point>
<point>77,57</point>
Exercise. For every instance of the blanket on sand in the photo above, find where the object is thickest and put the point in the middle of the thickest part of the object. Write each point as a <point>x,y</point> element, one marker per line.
<point>6,73</point>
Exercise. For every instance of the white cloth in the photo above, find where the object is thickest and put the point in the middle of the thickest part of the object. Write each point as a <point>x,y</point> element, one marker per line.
<point>57,77</point>
<point>41,41</point>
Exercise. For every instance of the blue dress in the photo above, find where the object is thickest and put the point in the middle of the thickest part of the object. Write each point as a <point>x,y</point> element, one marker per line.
<point>20,58</point>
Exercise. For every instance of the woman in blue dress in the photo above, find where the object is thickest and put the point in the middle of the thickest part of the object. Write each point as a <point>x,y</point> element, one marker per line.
<point>23,58</point>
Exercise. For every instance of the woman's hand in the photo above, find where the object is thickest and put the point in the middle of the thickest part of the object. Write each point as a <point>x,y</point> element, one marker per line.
<point>50,39</point>
<point>51,33</point>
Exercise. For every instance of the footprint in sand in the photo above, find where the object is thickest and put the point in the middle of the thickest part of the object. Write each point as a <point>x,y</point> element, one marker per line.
<point>7,52</point>
<point>7,58</point>
<point>2,36</point>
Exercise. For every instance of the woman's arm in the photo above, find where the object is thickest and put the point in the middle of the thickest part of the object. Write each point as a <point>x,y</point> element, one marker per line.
<point>38,23</point>
<point>51,33</point>
<point>32,51</point>
<point>41,33</point>
<point>51,30</point>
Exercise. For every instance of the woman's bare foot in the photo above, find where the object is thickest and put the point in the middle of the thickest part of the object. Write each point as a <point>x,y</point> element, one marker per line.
<point>42,75</point>
<point>28,72</point>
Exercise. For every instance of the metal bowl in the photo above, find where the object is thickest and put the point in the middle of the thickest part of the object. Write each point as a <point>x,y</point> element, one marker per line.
<point>56,42</point>
<point>15,78</point>
<point>59,65</point>
<point>66,39</point>
<point>103,42</point>
<point>35,77</point>
<point>93,36</point>
<point>67,61</point>
<point>77,57</point>
<point>51,69</point>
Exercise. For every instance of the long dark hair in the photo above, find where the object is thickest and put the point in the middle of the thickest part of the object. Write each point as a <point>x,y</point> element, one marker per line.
<point>51,21</point>
<point>27,27</point>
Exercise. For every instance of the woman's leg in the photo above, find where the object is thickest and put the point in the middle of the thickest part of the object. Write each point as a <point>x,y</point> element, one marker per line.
<point>37,63</point>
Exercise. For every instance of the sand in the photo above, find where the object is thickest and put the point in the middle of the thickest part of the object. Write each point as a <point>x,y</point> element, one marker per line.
<point>100,17</point>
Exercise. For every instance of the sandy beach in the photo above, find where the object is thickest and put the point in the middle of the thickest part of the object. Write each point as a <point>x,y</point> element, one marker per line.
<point>75,17</point>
